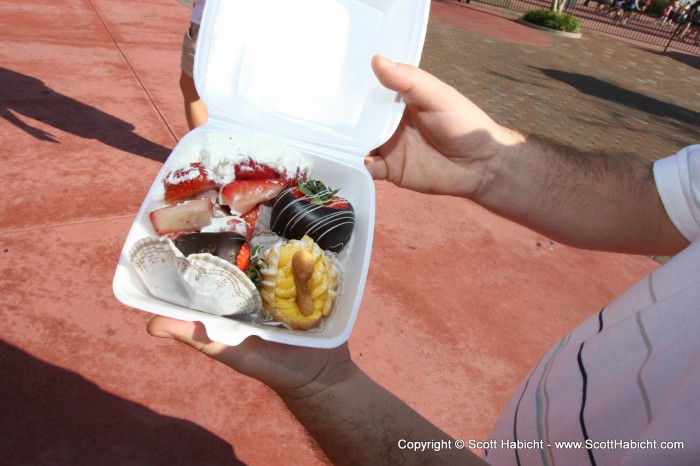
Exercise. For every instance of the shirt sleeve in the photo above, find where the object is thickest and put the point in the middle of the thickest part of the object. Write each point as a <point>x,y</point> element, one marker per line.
<point>678,182</point>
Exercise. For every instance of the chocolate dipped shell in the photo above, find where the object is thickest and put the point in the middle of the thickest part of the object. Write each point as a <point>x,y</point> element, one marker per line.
<point>329,223</point>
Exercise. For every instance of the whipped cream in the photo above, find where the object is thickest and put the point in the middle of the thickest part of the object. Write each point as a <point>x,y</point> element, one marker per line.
<point>221,152</point>
<point>184,172</point>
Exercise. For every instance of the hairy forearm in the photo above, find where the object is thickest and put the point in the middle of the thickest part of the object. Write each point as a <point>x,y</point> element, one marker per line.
<point>594,201</point>
<point>355,421</point>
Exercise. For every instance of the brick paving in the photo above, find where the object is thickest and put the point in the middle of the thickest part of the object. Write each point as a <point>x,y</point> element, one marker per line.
<point>90,107</point>
<point>596,93</point>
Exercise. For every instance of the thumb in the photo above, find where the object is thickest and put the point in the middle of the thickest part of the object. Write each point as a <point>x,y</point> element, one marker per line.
<point>416,86</point>
<point>191,333</point>
<point>242,358</point>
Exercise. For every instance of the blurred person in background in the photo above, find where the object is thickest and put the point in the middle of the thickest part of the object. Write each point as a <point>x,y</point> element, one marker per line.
<point>195,111</point>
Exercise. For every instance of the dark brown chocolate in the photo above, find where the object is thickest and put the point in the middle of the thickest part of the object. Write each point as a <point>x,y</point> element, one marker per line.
<point>292,218</point>
<point>226,245</point>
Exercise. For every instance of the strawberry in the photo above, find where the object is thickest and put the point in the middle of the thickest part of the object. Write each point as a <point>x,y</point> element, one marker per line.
<point>312,209</point>
<point>181,218</point>
<point>252,170</point>
<point>243,257</point>
<point>293,179</point>
<point>317,193</point>
<point>242,196</point>
<point>188,182</point>
<point>251,217</point>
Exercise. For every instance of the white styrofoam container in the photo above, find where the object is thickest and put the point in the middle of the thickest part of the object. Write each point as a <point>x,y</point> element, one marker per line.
<point>300,72</point>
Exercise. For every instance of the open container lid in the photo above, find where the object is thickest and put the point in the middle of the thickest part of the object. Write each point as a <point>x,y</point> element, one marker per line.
<point>301,69</point>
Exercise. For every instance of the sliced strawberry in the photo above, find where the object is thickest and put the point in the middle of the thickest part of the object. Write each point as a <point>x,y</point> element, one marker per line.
<point>252,170</point>
<point>188,182</point>
<point>251,217</point>
<point>242,196</point>
<point>182,218</point>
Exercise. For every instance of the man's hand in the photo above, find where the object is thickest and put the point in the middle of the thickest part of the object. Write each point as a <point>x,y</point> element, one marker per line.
<point>291,371</point>
<point>444,143</point>
<point>354,420</point>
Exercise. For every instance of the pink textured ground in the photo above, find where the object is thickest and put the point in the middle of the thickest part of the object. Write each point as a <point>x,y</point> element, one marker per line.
<point>458,304</point>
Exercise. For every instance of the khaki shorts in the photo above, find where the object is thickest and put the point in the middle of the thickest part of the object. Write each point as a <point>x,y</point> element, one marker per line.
<point>189,42</point>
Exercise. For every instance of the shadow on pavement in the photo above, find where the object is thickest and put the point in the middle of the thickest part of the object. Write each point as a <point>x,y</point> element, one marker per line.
<point>31,98</point>
<point>614,93</point>
<point>685,58</point>
<point>54,416</point>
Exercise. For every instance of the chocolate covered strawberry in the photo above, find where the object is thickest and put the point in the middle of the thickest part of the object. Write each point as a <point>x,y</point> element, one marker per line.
<point>315,210</point>
<point>188,182</point>
<point>226,245</point>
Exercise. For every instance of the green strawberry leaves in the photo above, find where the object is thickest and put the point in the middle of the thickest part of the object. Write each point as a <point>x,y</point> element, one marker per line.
<point>317,192</point>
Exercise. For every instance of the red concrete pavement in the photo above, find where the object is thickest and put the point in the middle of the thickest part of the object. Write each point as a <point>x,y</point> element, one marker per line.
<point>480,20</point>
<point>459,303</point>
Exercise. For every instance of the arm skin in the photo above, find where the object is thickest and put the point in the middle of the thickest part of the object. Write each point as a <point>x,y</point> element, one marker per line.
<point>352,418</point>
<point>447,145</point>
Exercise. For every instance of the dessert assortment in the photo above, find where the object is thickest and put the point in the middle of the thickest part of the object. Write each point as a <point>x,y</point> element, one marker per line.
<point>243,202</point>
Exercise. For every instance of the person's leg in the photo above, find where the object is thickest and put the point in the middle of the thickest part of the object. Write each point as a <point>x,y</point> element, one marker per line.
<point>625,17</point>
<point>195,111</point>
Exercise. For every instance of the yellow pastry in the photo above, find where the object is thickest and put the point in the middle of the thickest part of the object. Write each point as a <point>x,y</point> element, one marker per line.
<point>299,283</point>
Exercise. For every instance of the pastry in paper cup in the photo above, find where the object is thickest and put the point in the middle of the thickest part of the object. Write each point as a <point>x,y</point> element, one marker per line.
<point>202,282</point>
